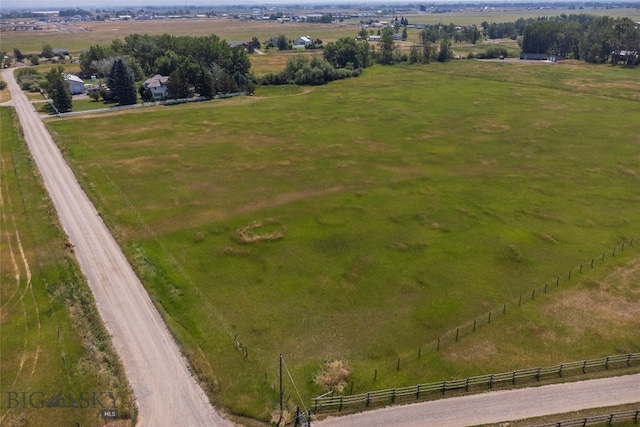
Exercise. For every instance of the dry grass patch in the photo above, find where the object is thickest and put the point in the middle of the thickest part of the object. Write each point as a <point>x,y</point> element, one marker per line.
<point>267,230</point>
<point>334,375</point>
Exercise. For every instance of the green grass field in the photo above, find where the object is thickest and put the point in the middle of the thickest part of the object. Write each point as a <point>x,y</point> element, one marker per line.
<point>51,339</point>
<point>362,220</point>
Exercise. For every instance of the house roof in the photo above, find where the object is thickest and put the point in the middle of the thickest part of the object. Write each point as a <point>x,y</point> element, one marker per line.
<point>72,78</point>
<point>156,81</point>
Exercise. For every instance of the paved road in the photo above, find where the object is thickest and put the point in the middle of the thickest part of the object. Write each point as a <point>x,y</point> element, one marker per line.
<point>500,406</point>
<point>165,391</point>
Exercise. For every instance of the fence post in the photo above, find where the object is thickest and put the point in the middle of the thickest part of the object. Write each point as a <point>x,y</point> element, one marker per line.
<point>419,351</point>
<point>520,301</point>
<point>629,360</point>
<point>591,262</point>
<point>569,274</point>
<point>315,404</point>
<point>367,403</point>
<point>545,287</point>
<point>443,387</point>
<point>580,268</point>
<point>504,309</point>
<point>375,375</point>
<point>340,408</point>
<point>297,421</point>
<point>560,372</point>
<point>489,317</point>
<point>584,367</point>
<point>533,294</point>
<point>622,248</point>
<point>438,349</point>
<point>457,333</point>
<point>491,381</point>
<point>418,392</point>
<point>614,252</point>
<point>393,395</point>
<point>513,378</point>
<point>557,280</point>
<point>538,375</point>
<point>606,363</point>
<point>466,385</point>
<point>474,325</point>
<point>398,368</point>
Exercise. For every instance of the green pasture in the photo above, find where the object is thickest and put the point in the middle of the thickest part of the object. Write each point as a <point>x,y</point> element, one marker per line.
<point>362,220</point>
<point>51,339</point>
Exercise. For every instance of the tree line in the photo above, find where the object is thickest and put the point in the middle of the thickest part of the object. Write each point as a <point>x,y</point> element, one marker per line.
<point>207,64</point>
<point>592,39</point>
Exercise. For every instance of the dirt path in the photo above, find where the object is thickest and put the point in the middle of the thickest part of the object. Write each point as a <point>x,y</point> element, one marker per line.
<point>166,393</point>
<point>501,406</point>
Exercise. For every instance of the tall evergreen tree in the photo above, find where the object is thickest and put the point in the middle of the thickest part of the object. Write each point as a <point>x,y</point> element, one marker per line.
<point>122,84</point>
<point>58,89</point>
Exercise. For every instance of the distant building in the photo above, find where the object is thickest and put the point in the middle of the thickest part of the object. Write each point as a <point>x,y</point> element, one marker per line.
<point>76,84</point>
<point>157,85</point>
<point>303,41</point>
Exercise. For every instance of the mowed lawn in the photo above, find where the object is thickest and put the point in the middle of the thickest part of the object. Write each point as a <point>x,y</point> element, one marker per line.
<point>52,343</point>
<point>362,220</point>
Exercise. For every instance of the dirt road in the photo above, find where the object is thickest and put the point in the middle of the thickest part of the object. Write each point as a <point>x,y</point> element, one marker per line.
<point>166,393</point>
<point>501,406</point>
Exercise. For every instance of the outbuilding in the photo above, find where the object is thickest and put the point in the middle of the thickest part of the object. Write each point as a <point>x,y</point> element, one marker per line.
<point>76,84</point>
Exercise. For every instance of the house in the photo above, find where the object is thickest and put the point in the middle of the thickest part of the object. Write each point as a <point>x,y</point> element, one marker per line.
<point>374,38</point>
<point>157,85</point>
<point>76,84</point>
<point>303,41</point>
<point>60,51</point>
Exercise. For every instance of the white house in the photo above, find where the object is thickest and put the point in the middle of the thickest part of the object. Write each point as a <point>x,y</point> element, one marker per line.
<point>76,84</point>
<point>303,41</point>
<point>157,85</point>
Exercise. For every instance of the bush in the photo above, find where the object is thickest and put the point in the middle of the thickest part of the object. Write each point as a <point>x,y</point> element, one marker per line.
<point>496,52</point>
<point>3,85</point>
<point>29,79</point>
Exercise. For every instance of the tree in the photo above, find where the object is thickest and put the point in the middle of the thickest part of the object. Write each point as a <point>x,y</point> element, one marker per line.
<point>386,46</point>
<point>347,53</point>
<point>58,89</point>
<point>255,42</point>
<point>47,51</point>
<point>34,60</point>
<point>444,54</point>
<point>122,84</point>
<point>178,85</point>
<point>283,43</point>
<point>404,33</point>
<point>427,48</point>
<point>17,54</point>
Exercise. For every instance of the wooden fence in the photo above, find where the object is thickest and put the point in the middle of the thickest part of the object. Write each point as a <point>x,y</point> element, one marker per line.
<point>336,403</point>
<point>633,415</point>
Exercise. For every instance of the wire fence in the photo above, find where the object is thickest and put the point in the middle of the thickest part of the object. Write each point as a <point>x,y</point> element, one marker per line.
<point>633,415</point>
<point>454,335</point>
<point>337,403</point>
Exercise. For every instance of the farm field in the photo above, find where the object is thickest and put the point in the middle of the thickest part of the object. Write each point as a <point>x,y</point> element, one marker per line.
<point>78,36</point>
<point>50,337</point>
<point>362,220</point>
